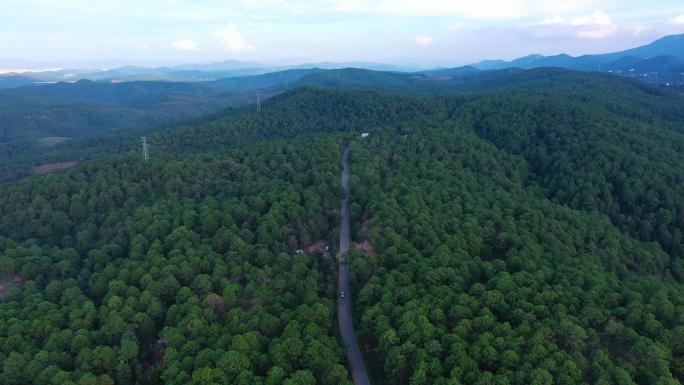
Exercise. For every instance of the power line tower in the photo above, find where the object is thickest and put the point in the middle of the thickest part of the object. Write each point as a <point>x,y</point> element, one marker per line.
<point>146,154</point>
<point>258,103</point>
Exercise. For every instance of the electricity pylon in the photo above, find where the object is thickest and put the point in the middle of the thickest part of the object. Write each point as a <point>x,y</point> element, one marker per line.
<point>146,154</point>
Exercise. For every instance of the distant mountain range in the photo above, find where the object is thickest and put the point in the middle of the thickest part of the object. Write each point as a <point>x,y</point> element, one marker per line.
<point>180,73</point>
<point>14,81</point>
<point>659,62</point>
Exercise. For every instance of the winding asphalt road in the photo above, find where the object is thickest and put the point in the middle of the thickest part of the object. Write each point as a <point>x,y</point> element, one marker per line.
<point>344,314</point>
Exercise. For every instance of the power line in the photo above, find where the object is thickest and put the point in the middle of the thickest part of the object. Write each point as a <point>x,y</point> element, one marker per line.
<point>146,153</point>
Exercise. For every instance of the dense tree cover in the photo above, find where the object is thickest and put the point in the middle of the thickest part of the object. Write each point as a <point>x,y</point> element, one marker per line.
<point>649,103</point>
<point>85,107</point>
<point>301,111</point>
<point>18,157</point>
<point>478,279</point>
<point>98,114</point>
<point>508,229</point>
<point>630,170</point>
<point>91,128</point>
<point>580,153</point>
<point>36,116</point>
<point>174,272</point>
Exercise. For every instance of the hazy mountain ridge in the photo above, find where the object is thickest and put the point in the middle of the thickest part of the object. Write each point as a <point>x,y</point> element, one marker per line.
<point>192,72</point>
<point>14,81</point>
<point>659,62</point>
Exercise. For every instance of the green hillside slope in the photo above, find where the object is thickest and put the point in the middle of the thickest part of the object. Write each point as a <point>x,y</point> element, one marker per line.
<point>476,279</point>
<point>173,272</point>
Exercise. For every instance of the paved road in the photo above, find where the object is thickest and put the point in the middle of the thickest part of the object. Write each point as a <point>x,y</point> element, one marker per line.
<point>344,315</point>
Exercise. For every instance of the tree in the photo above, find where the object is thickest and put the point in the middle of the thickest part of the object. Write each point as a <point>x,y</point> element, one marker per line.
<point>301,377</point>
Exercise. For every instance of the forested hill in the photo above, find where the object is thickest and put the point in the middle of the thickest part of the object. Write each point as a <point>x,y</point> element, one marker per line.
<point>527,236</point>
<point>304,110</point>
<point>173,271</point>
<point>84,108</point>
<point>42,123</point>
<point>623,96</point>
<point>476,278</point>
<point>77,121</point>
<point>587,155</point>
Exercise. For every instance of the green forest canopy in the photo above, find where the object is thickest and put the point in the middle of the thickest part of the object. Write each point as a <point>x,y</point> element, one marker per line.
<point>519,238</point>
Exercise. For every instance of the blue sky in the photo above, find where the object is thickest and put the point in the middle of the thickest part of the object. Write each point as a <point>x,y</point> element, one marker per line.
<point>420,32</point>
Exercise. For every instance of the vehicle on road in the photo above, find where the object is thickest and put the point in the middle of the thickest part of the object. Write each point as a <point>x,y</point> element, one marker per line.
<point>342,294</point>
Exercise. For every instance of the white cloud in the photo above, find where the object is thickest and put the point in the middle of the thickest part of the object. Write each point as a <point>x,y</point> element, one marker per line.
<point>478,9</point>
<point>265,3</point>
<point>232,40</point>
<point>638,30</point>
<point>678,20</point>
<point>423,40</point>
<point>598,17</point>
<point>556,20</point>
<point>482,9</point>
<point>598,25</point>
<point>185,44</point>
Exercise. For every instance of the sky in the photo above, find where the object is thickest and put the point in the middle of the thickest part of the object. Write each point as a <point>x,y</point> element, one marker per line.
<point>405,32</point>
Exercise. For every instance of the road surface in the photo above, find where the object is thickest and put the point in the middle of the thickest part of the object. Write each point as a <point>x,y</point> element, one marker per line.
<point>344,314</point>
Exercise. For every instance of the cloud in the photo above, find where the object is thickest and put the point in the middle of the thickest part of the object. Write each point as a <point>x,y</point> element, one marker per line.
<point>232,40</point>
<point>678,20</point>
<point>423,40</point>
<point>638,30</point>
<point>476,10</point>
<point>482,9</point>
<point>185,44</point>
<point>556,20</point>
<point>265,3</point>
<point>598,25</point>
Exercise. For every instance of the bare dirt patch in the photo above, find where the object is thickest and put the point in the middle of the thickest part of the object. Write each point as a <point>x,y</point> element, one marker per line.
<point>365,247</point>
<point>317,247</point>
<point>46,168</point>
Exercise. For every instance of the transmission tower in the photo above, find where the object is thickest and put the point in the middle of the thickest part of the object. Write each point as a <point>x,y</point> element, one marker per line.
<point>258,103</point>
<point>146,154</point>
